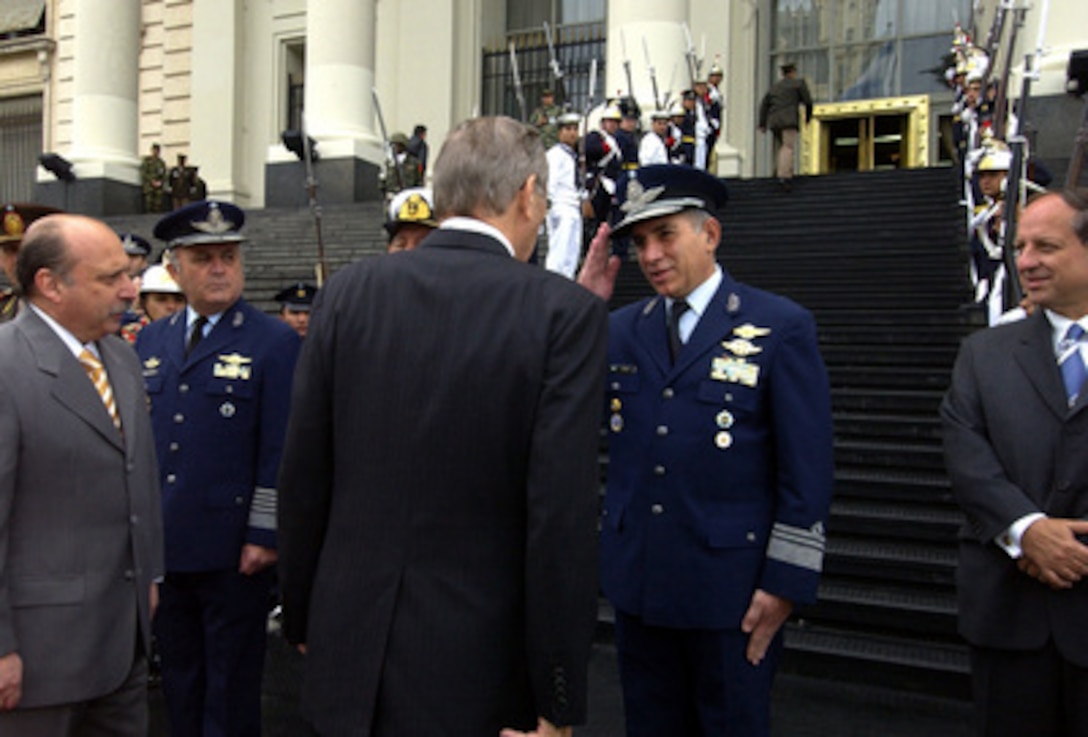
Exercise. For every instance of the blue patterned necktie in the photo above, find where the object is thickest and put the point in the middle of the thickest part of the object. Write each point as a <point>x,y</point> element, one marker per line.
<point>1071,362</point>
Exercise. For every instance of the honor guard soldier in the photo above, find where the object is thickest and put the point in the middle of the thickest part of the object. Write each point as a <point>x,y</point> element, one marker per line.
<point>988,227</point>
<point>411,219</point>
<point>628,135</point>
<point>218,376</point>
<point>687,129</point>
<point>720,475</point>
<point>653,149</point>
<point>564,220</point>
<point>295,302</point>
<point>714,106</point>
<point>704,127</point>
<point>16,217</point>
<point>604,164</point>
<point>677,113</point>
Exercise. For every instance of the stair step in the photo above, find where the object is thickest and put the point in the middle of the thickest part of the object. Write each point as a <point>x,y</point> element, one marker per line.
<point>895,519</point>
<point>914,456</point>
<point>931,666</point>
<point>869,604</point>
<point>899,560</point>
<point>887,426</point>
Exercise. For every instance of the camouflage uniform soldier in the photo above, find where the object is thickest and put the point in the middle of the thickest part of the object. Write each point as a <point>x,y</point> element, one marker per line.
<point>411,169</point>
<point>545,117</point>
<point>152,178</point>
<point>181,181</point>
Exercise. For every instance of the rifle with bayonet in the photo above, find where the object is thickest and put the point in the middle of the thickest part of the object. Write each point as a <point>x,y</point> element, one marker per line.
<point>693,59</point>
<point>1014,192</point>
<point>626,65</point>
<point>320,269</point>
<point>1000,111</point>
<point>653,74</point>
<point>517,82</point>
<point>583,165</point>
<point>390,155</point>
<point>557,71</point>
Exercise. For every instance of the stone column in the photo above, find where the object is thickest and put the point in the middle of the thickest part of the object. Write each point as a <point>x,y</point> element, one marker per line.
<point>338,108</point>
<point>660,22</point>
<point>104,112</point>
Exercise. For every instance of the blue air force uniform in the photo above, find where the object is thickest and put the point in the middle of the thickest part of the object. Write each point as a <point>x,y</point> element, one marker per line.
<point>719,473</point>
<point>219,418</point>
<point>719,483</point>
<point>219,413</point>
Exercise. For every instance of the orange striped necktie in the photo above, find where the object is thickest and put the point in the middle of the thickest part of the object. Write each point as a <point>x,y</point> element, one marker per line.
<point>97,372</point>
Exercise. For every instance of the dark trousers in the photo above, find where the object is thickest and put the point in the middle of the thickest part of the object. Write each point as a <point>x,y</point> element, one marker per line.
<point>121,713</point>
<point>695,683</point>
<point>210,628</point>
<point>1028,692</point>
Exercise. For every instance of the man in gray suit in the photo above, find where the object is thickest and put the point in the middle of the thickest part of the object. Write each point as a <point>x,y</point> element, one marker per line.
<point>80,524</point>
<point>1016,446</point>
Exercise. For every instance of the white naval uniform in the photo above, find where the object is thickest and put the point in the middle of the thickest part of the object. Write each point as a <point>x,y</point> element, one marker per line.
<point>564,219</point>
<point>652,150</point>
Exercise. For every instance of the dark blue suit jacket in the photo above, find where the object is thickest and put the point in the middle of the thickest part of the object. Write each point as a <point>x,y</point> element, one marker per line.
<point>720,470</point>
<point>219,418</point>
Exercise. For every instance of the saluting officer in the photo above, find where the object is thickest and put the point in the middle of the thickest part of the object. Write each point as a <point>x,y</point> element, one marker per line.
<point>15,217</point>
<point>218,376</point>
<point>721,469</point>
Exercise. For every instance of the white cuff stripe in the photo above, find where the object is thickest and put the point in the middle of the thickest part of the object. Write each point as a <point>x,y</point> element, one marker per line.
<point>797,546</point>
<point>262,510</point>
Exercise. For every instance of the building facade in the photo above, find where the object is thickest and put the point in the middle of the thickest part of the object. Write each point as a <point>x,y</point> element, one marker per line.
<point>98,81</point>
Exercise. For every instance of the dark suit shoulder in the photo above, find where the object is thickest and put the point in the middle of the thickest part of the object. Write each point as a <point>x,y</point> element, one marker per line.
<point>1005,336</point>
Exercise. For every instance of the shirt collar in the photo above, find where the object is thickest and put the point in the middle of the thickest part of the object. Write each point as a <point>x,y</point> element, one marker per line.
<point>477,226</point>
<point>69,340</point>
<point>700,297</point>
<point>191,315</point>
<point>1059,325</point>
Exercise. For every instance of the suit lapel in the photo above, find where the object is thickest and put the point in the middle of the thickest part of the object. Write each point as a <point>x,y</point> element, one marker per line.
<point>70,384</point>
<point>1035,355</point>
<point>175,342</point>
<point>128,395</point>
<point>653,334</point>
